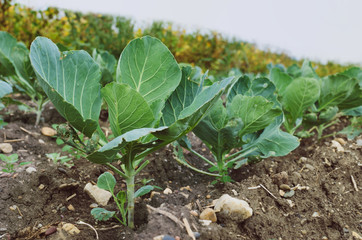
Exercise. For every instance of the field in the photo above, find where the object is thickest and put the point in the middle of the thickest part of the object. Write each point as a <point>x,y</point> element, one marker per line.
<point>162,134</point>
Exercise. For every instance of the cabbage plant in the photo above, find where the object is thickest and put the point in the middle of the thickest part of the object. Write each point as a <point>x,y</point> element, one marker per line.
<point>315,103</point>
<point>15,69</point>
<point>241,129</point>
<point>149,85</point>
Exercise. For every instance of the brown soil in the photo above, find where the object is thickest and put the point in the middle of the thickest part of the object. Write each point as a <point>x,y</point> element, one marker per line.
<point>327,174</point>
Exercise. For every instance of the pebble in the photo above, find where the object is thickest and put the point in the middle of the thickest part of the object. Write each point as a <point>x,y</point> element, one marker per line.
<point>3,229</point>
<point>324,238</point>
<point>13,208</point>
<point>341,141</point>
<point>62,170</point>
<point>159,237</point>
<point>30,169</point>
<point>50,231</point>
<point>70,228</point>
<point>71,208</point>
<point>359,142</point>
<point>41,141</point>
<point>47,131</point>
<point>167,191</point>
<point>290,202</point>
<point>316,214</point>
<point>208,196</point>
<point>63,209</point>
<point>208,214</point>
<point>194,213</point>
<point>153,193</point>
<point>93,205</point>
<point>168,237</point>
<point>41,186</point>
<point>281,193</point>
<point>197,234</point>
<point>345,230</point>
<point>99,195</point>
<point>284,187</point>
<point>205,222</point>
<point>304,232</point>
<point>304,220</point>
<point>289,194</point>
<point>6,147</point>
<point>234,208</point>
<point>310,167</point>
<point>337,145</point>
<point>303,159</point>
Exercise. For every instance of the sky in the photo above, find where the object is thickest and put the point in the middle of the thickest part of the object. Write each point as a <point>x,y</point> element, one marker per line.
<point>319,30</point>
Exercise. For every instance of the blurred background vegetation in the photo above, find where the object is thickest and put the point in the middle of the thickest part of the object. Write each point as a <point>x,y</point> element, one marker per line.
<point>76,30</point>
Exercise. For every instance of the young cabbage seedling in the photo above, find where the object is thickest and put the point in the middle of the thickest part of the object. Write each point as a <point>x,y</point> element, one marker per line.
<point>147,76</point>
<point>9,162</point>
<point>315,103</point>
<point>15,69</point>
<point>248,123</point>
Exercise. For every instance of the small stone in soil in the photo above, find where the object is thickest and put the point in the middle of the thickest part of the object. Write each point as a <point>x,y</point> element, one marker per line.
<point>316,214</point>
<point>71,208</point>
<point>205,222</point>
<point>30,169</point>
<point>289,194</point>
<point>208,214</point>
<point>290,202</point>
<point>208,196</point>
<point>70,228</point>
<point>6,147</point>
<point>234,208</point>
<point>337,145</point>
<point>93,205</point>
<point>304,232</point>
<point>41,186</point>
<point>194,213</point>
<point>63,209</point>
<point>62,170</point>
<point>304,220</point>
<point>284,187</point>
<point>47,131</point>
<point>160,237</point>
<point>167,191</point>
<point>197,234</point>
<point>281,193</point>
<point>101,196</point>
<point>168,237</point>
<point>41,141</point>
<point>50,231</point>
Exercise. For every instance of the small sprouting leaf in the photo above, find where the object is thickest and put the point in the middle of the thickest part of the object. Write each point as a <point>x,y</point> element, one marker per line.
<point>143,190</point>
<point>102,214</point>
<point>106,181</point>
<point>122,197</point>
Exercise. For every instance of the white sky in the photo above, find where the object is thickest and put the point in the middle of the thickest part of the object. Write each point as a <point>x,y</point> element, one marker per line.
<point>316,29</point>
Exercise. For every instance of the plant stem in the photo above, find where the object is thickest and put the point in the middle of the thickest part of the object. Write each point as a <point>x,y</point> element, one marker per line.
<point>39,110</point>
<point>130,198</point>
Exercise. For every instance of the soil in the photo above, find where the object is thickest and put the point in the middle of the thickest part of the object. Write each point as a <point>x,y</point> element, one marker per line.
<point>327,205</point>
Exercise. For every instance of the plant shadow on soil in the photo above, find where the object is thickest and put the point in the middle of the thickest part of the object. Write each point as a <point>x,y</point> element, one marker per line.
<point>325,171</point>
